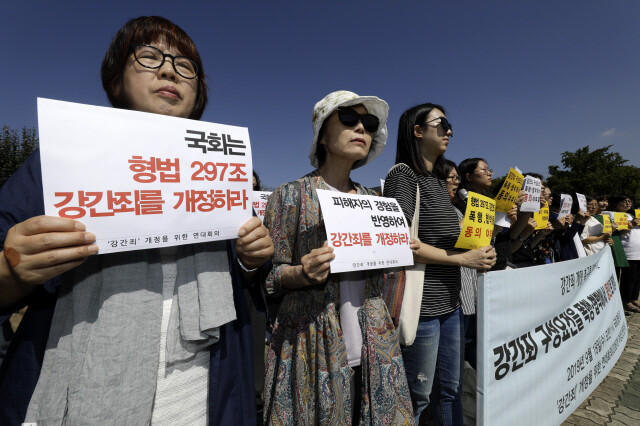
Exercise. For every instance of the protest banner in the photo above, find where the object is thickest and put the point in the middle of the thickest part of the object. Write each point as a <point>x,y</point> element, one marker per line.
<point>477,227</point>
<point>139,180</point>
<point>582,202</point>
<point>567,203</point>
<point>509,191</point>
<point>542,217</point>
<point>621,220</point>
<point>365,231</point>
<point>260,199</point>
<point>547,336</point>
<point>606,224</point>
<point>532,189</point>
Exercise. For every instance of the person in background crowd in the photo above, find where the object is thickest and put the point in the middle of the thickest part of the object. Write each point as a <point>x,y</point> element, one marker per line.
<point>114,354</point>
<point>630,240</point>
<point>617,250</point>
<point>334,356</point>
<point>566,227</point>
<point>423,135</point>
<point>593,237</point>
<point>603,203</point>
<point>256,182</point>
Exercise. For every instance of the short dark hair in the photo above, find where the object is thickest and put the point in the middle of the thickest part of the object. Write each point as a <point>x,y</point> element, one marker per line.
<point>617,198</point>
<point>147,30</point>
<point>407,150</point>
<point>443,168</point>
<point>258,184</point>
<point>535,175</point>
<point>468,165</point>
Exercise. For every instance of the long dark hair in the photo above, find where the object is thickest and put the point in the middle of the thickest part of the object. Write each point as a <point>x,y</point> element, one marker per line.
<point>407,150</point>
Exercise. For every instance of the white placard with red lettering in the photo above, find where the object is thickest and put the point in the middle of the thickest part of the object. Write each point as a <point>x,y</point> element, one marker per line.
<point>139,180</point>
<point>567,202</point>
<point>260,199</point>
<point>582,201</point>
<point>366,232</point>
<point>532,188</point>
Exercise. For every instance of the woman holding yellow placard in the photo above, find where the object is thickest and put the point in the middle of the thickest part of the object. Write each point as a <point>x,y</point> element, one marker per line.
<point>423,135</point>
<point>630,241</point>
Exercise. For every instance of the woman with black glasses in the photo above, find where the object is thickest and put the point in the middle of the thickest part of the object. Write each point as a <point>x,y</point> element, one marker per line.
<point>423,136</point>
<point>99,344</point>
<point>334,356</point>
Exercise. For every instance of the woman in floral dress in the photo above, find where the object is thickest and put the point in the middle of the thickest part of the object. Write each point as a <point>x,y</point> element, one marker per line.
<point>334,356</point>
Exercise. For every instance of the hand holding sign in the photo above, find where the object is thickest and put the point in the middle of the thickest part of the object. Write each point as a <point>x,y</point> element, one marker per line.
<point>44,247</point>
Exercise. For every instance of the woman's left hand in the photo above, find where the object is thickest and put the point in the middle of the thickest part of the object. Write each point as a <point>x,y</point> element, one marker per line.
<point>254,245</point>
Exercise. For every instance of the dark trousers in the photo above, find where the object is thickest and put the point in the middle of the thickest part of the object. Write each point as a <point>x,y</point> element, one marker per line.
<point>630,282</point>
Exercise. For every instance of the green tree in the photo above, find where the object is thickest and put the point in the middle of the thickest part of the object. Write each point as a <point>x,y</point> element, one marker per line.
<point>15,148</point>
<point>600,171</point>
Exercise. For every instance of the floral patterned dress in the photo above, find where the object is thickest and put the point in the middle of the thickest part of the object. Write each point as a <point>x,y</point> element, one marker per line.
<point>308,377</point>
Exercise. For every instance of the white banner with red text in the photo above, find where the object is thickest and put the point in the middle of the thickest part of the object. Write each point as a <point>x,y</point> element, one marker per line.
<point>365,231</point>
<point>547,336</point>
<point>139,180</point>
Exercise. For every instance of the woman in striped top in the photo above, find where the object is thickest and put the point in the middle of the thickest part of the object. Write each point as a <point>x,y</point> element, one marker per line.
<point>423,136</point>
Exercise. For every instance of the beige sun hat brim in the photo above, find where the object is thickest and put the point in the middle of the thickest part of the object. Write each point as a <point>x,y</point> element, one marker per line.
<point>374,105</point>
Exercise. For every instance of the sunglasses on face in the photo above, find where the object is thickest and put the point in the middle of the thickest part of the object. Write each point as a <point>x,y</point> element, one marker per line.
<point>350,118</point>
<point>446,126</point>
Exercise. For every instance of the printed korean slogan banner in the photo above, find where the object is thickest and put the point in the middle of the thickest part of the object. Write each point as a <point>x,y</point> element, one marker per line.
<point>365,231</point>
<point>621,220</point>
<point>542,217</point>
<point>567,203</point>
<point>140,180</point>
<point>532,188</point>
<point>547,336</point>
<point>606,224</point>
<point>509,191</point>
<point>260,199</point>
<point>479,218</point>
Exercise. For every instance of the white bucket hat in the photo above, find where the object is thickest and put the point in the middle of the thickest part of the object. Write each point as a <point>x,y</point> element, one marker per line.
<point>374,105</point>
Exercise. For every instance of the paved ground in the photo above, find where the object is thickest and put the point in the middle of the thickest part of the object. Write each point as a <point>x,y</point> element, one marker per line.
<point>616,401</point>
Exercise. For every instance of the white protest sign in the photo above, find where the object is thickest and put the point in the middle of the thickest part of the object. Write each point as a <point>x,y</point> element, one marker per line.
<point>139,180</point>
<point>260,199</point>
<point>582,202</point>
<point>567,202</point>
<point>547,336</point>
<point>382,186</point>
<point>366,232</point>
<point>502,220</point>
<point>532,188</point>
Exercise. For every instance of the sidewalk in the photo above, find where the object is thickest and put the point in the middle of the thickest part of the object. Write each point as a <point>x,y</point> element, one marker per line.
<point>616,401</point>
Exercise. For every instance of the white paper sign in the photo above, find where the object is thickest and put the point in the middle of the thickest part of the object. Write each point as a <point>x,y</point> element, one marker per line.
<point>567,202</point>
<point>366,232</point>
<point>139,180</point>
<point>502,220</point>
<point>532,188</point>
<point>260,199</point>
<point>582,202</point>
<point>547,336</point>
<point>382,186</point>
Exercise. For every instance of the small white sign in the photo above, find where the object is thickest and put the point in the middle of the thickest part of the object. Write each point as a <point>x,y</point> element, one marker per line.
<point>366,232</point>
<point>502,220</point>
<point>567,202</point>
<point>532,188</point>
<point>139,180</point>
<point>260,199</point>
<point>582,202</point>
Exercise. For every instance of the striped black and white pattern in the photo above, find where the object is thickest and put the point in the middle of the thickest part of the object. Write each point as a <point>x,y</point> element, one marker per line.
<point>438,226</point>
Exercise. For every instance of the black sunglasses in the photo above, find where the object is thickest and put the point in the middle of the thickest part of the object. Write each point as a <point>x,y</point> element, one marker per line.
<point>446,126</point>
<point>349,117</point>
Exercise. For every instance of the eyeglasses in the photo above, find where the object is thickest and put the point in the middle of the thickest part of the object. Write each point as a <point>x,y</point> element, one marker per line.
<point>454,179</point>
<point>625,202</point>
<point>152,57</point>
<point>349,117</point>
<point>485,171</point>
<point>446,125</point>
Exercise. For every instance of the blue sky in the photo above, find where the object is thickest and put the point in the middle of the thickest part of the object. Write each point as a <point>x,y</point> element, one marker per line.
<point>522,81</point>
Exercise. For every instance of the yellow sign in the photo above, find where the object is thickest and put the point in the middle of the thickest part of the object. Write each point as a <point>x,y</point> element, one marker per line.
<point>606,224</point>
<point>621,220</point>
<point>477,227</point>
<point>508,194</point>
<point>637,212</point>
<point>542,218</point>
